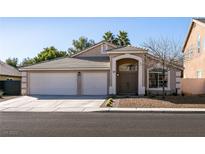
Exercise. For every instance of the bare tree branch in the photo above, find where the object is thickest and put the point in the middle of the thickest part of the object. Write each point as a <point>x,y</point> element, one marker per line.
<point>167,52</point>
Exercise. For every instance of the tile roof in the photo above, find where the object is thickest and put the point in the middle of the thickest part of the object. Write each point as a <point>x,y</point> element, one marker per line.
<point>126,48</point>
<point>200,19</point>
<point>8,70</point>
<point>66,63</point>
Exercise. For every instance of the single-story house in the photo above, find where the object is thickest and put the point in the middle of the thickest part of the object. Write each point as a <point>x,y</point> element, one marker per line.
<point>102,69</point>
<point>8,72</point>
<point>10,79</point>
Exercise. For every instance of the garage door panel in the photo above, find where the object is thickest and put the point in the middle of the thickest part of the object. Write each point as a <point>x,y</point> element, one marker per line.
<point>94,83</point>
<point>53,83</point>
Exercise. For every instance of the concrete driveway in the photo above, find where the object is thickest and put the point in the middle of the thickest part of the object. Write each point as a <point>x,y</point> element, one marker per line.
<point>53,103</point>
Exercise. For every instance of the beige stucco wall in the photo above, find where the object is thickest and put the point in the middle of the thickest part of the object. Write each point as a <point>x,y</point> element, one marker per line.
<point>117,54</point>
<point>193,86</point>
<point>25,87</point>
<point>197,61</point>
<point>24,83</point>
<point>146,65</point>
<point>95,52</point>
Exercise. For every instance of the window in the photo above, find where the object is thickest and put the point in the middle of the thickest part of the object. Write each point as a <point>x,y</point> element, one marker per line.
<point>204,43</point>
<point>198,42</point>
<point>199,74</point>
<point>156,78</point>
<point>190,53</point>
<point>104,47</point>
<point>128,67</point>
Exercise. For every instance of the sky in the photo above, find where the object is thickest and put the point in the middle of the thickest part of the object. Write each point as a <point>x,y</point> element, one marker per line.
<point>26,37</point>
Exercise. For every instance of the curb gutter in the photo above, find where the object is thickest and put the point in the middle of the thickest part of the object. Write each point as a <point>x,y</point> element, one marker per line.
<point>106,109</point>
<point>157,110</point>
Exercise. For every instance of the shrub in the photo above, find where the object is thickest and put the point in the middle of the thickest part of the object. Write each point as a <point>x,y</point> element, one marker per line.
<point>112,96</point>
<point>1,93</point>
<point>109,102</point>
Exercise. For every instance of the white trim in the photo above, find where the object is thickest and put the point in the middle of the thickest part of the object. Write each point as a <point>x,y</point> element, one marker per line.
<point>168,84</point>
<point>199,22</point>
<point>66,69</point>
<point>112,89</point>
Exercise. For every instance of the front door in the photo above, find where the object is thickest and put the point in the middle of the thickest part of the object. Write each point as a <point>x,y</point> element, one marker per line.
<point>127,77</point>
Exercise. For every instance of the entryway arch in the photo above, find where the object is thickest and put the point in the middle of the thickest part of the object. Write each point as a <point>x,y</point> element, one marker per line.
<point>127,76</point>
<point>113,88</point>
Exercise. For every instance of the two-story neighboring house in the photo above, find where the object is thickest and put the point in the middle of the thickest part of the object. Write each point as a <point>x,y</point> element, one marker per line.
<point>194,58</point>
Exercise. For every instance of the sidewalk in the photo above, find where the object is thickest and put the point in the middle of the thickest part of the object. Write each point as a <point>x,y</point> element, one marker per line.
<point>91,109</point>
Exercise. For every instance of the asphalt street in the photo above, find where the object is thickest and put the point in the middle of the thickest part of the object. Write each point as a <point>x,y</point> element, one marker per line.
<point>103,124</point>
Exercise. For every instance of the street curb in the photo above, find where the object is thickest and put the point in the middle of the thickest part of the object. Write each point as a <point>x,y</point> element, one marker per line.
<point>154,110</point>
<point>107,109</point>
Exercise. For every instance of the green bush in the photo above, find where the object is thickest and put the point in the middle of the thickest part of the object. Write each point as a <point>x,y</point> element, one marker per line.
<point>1,93</point>
<point>109,102</point>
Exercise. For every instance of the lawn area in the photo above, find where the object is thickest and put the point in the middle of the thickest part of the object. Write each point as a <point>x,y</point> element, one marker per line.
<point>158,102</point>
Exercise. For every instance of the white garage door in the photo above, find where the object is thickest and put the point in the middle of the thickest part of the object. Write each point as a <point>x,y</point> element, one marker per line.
<point>94,83</point>
<point>53,83</point>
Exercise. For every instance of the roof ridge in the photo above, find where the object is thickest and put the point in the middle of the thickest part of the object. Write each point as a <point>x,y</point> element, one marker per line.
<point>48,60</point>
<point>72,56</point>
<point>197,21</point>
<point>121,47</point>
<point>96,44</point>
<point>60,58</point>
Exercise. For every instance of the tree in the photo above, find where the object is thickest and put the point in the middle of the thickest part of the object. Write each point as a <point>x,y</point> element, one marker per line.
<point>12,61</point>
<point>46,54</point>
<point>27,61</point>
<point>81,44</point>
<point>109,37</point>
<point>168,54</point>
<point>49,53</point>
<point>122,39</point>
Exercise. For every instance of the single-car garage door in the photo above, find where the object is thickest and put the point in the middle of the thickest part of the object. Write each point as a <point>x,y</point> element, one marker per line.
<point>94,83</point>
<point>53,83</point>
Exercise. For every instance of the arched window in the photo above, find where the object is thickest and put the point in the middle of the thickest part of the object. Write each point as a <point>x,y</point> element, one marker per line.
<point>156,78</point>
<point>128,67</point>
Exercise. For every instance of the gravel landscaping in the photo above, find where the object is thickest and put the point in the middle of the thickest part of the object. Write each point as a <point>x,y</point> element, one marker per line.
<point>157,102</point>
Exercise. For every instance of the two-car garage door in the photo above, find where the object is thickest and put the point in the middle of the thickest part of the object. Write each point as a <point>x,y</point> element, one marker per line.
<point>53,83</point>
<point>58,83</point>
